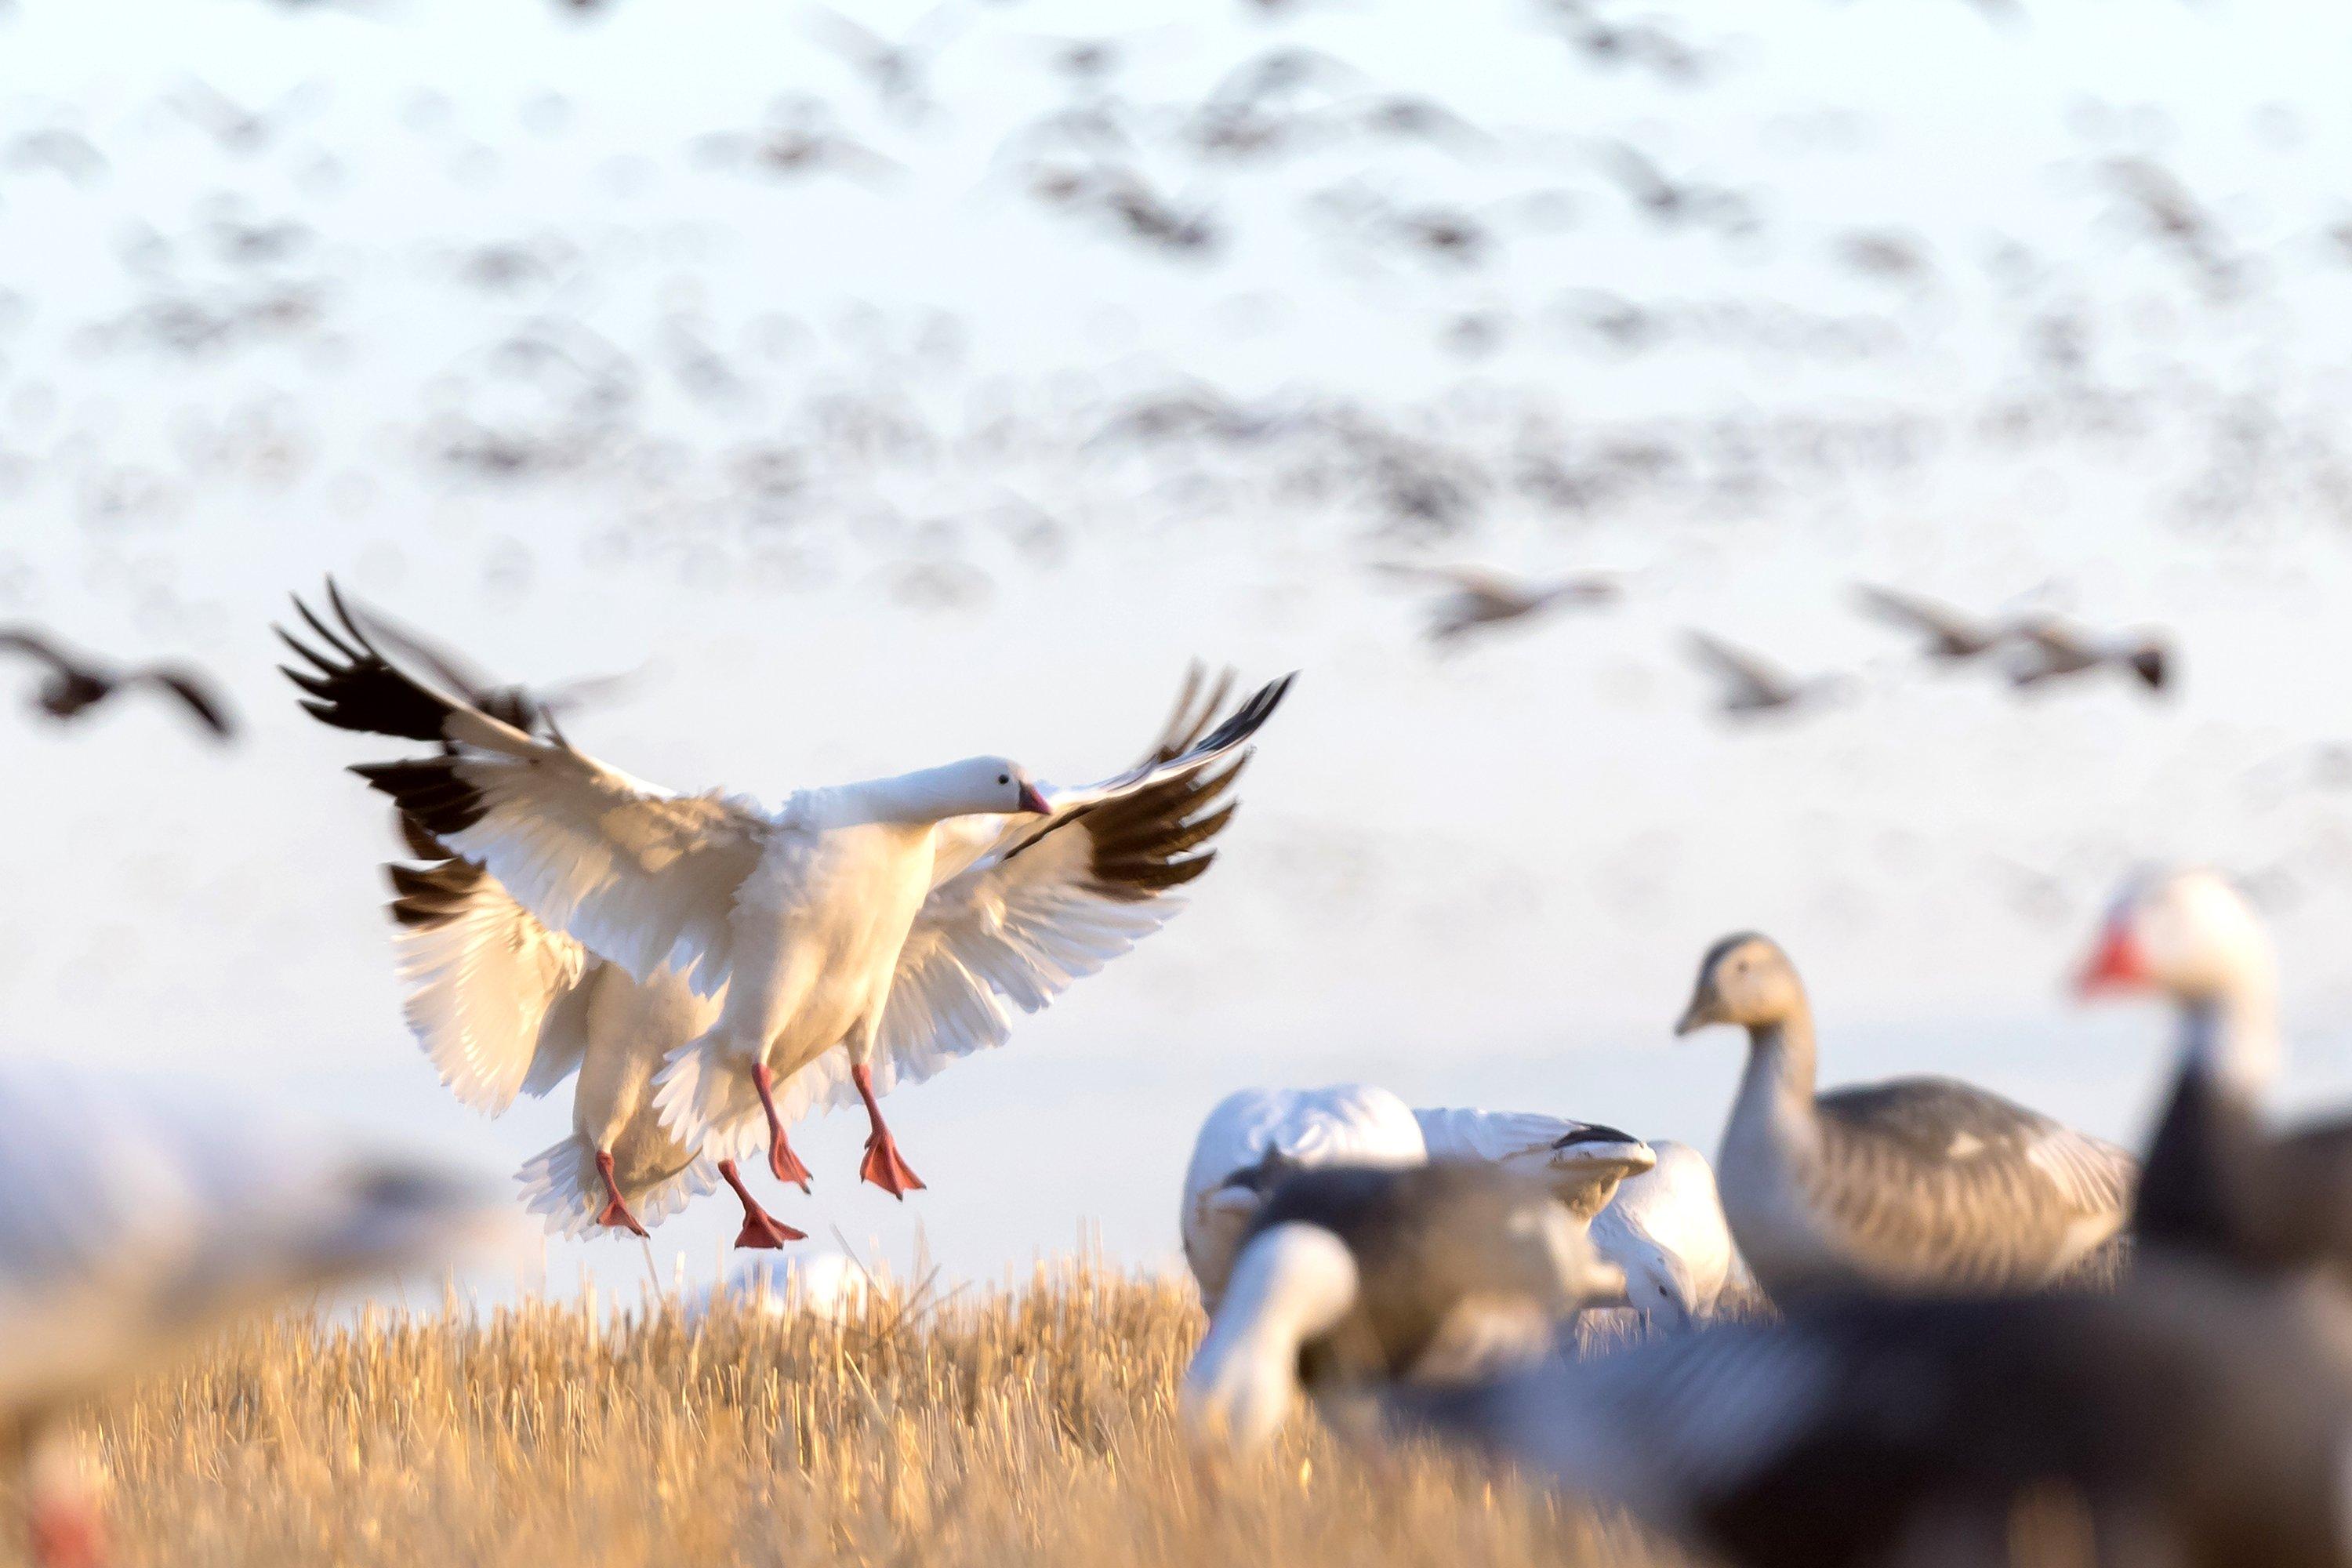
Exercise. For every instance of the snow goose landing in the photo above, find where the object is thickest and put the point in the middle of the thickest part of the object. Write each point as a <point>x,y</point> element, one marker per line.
<point>1921,1183</point>
<point>961,892</point>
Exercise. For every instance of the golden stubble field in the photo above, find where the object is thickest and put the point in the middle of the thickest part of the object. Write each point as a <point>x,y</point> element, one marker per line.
<point>1032,1426</point>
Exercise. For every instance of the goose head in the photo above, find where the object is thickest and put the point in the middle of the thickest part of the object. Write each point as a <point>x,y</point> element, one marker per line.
<point>976,787</point>
<point>1746,979</point>
<point>2187,934</point>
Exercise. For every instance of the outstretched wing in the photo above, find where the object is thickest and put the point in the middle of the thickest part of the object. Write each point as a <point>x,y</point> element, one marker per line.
<point>498,1001</point>
<point>1913,612</point>
<point>1042,904</point>
<point>1752,676</point>
<point>636,874</point>
<point>196,694</point>
<point>33,644</point>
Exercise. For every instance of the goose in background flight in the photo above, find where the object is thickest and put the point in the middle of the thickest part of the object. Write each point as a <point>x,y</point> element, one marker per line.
<point>139,1223</point>
<point>1948,636</point>
<point>958,894</point>
<point>76,683</point>
<point>1921,1183</point>
<point>1352,1277</point>
<point>1478,598</point>
<point>2055,649</point>
<point>2219,1180</point>
<point>1751,685</point>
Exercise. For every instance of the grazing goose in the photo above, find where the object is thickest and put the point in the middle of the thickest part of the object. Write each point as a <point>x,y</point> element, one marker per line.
<point>1255,1138</point>
<point>137,1223</point>
<point>1352,1276</point>
<point>1664,1227</point>
<point>2232,1186</point>
<point>77,684</point>
<point>1583,1162</point>
<point>1921,1183</point>
<point>2193,1416</point>
<point>956,894</point>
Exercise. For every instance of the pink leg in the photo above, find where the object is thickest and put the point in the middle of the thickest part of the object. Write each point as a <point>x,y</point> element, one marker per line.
<point>761,1229</point>
<point>616,1215</point>
<point>782,1163</point>
<point>882,1166</point>
<point>66,1532</point>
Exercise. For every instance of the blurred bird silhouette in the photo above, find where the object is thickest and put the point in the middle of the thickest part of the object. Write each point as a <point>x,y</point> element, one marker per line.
<point>1753,686</point>
<point>2055,649</point>
<point>75,683</point>
<point>1476,597</point>
<point>1950,635</point>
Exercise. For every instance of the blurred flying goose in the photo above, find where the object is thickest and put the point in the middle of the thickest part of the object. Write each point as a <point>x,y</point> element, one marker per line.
<point>137,1223</point>
<point>1478,596</point>
<point>1751,685</point>
<point>1351,1278</point>
<point>2193,1416</point>
<point>2055,649</point>
<point>76,683</point>
<point>503,1004</point>
<point>1948,636</point>
<point>1923,1183</point>
<point>2219,1180</point>
<point>956,894</point>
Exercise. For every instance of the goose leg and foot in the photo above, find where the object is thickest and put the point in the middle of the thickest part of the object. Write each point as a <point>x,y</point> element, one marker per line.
<point>782,1162</point>
<point>616,1215</point>
<point>882,1166</point>
<point>761,1229</point>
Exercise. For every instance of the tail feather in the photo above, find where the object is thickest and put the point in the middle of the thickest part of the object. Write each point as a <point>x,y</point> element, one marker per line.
<point>560,1182</point>
<point>705,1096</point>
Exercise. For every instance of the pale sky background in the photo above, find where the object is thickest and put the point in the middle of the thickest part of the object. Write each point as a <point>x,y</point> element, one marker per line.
<point>1485,878</point>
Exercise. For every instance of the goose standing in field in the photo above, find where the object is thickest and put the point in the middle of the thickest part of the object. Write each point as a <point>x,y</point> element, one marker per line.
<point>1351,1278</point>
<point>954,895</point>
<point>2233,1187</point>
<point>1923,1183</point>
<point>137,1222</point>
<point>1255,1138</point>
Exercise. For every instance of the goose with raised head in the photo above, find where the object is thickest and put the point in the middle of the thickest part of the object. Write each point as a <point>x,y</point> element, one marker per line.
<point>900,921</point>
<point>2219,1180</point>
<point>1921,1183</point>
<point>1351,1278</point>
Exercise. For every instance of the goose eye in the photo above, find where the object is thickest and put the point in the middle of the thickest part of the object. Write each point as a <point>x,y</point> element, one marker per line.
<point>1004,778</point>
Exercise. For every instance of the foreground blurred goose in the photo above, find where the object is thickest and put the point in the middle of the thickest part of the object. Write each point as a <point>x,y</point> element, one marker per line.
<point>1256,1137</point>
<point>1921,1183</point>
<point>901,921</point>
<point>2194,1415</point>
<point>1352,1277</point>
<point>502,1005</point>
<point>137,1223</point>
<point>2265,1199</point>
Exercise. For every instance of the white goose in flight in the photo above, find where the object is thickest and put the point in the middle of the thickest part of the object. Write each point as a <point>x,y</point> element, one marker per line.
<point>1920,1184</point>
<point>901,920</point>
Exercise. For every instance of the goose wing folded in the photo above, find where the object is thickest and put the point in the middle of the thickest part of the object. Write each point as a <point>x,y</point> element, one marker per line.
<point>1930,1166</point>
<point>637,874</point>
<point>1029,906</point>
